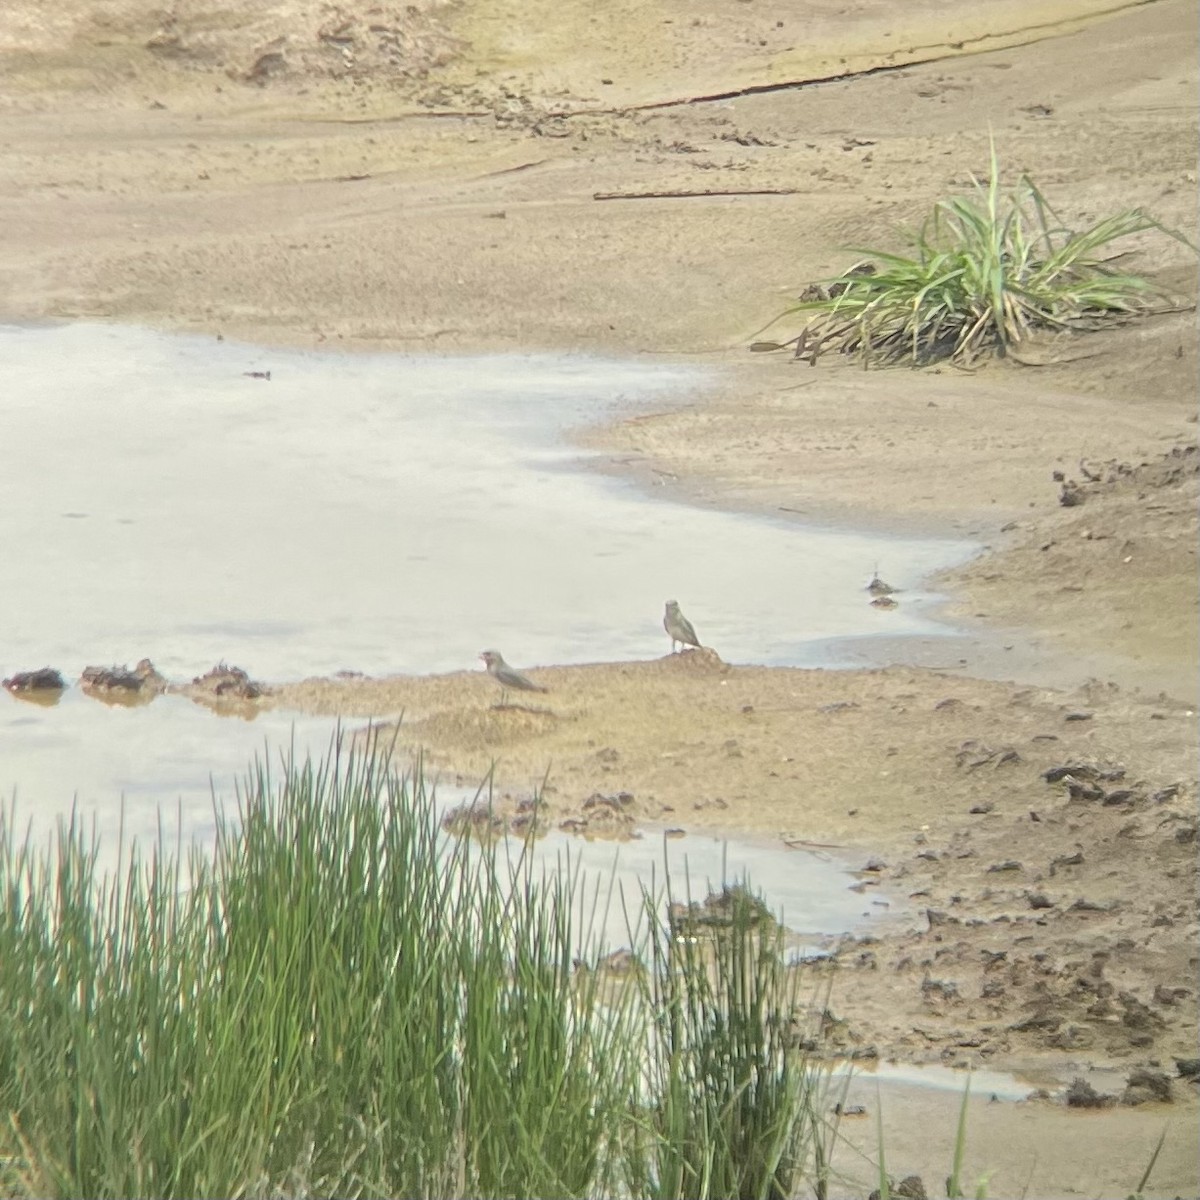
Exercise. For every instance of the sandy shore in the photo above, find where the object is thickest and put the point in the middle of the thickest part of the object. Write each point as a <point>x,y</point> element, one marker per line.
<point>521,176</point>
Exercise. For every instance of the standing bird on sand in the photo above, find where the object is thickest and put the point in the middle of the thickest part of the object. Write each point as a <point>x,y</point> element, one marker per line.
<point>679,627</point>
<point>506,677</point>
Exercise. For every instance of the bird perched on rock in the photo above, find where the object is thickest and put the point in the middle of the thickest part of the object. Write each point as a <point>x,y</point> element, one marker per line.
<point>679,627</point>
<point>506,677</point>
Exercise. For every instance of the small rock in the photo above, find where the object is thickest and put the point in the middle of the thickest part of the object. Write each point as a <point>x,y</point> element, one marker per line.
<point>1144,1085</point>
<point>1079,716</point>
<point>1081,1094</point>
<point>1066,860</point>
<point>1039,900</point>
<point>980,809</point>
<point>229,682</point>
<point>44,679</point>
<point>910,1188</point>
<point>1009,864</point>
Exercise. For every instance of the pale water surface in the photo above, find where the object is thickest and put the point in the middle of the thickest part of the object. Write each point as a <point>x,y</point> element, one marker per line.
<point>376,512</point>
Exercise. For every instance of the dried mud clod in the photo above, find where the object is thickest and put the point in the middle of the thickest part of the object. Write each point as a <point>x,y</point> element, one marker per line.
<point>911,1187</point>
<point>229,683</point>
<point>696,658</point>
<point>486,820</point>
<point>602,816</point>
<point>1081,1094</point>
<point>45,679</point>
<point>121,685</point>
<point>475,819</point>
<point>717,913</point>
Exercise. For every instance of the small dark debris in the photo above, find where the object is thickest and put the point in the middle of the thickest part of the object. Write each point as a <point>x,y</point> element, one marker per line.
<point>1188,1068</point>
<point>1079,716</point>
<point>877,587</point>
<point>1009,864</point>
<point>981,809</point>
<point>265,375</point>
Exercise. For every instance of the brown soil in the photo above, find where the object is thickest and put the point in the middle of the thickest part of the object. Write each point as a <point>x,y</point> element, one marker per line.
<point>477,176</point>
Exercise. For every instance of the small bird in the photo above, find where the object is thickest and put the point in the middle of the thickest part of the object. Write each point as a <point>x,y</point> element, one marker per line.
<point>679,627</point>
<point>506,677</point>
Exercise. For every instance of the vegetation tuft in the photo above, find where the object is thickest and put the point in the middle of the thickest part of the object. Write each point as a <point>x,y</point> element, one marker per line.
<point>344,999</point>
<point>982,275</point>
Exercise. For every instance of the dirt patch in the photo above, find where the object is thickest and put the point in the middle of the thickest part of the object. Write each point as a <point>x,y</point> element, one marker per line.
<point>1114,571</point>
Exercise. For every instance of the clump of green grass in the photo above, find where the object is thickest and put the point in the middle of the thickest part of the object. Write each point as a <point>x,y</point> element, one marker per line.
<point>984,274</point>
<point>340,1000</point>
<point>343,999</point>
<point>736,1109</point>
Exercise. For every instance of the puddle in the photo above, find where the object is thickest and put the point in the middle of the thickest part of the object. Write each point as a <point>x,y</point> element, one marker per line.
<point>382,512</point>
<point>808,893</point>
<point>388,513</point>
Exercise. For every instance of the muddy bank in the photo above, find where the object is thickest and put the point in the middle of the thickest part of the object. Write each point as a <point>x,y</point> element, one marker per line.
<point>1034,846</point>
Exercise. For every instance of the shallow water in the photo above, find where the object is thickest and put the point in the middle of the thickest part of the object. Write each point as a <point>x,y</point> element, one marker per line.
<point>377,512</point>
<point>808,893</point>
